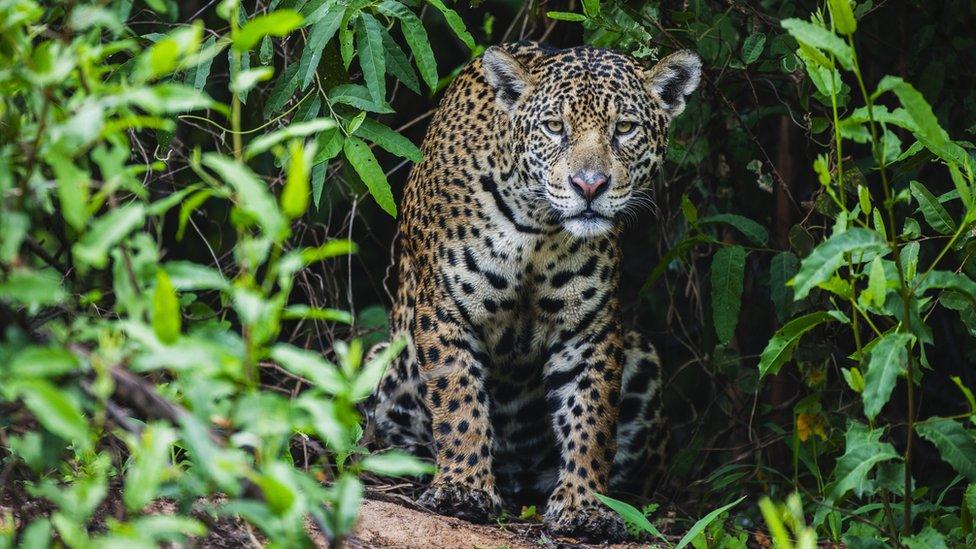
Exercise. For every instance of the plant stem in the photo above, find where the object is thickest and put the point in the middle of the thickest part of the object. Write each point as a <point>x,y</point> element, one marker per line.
<point>904,291</point>
<point>235,99</point>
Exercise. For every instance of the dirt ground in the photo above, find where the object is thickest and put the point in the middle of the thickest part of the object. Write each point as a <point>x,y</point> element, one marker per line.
<point>386,520</point>
<point>389,524</point>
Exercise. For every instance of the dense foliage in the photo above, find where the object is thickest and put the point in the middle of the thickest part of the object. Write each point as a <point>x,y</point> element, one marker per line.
<point>195,216</point>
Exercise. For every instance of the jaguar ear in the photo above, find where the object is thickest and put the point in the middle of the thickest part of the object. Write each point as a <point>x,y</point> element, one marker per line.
<point>506,75</point>
<point>674,78</point>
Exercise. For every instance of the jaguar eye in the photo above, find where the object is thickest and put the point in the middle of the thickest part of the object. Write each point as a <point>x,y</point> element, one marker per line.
<point>554,127</point>
<point>624,127</point>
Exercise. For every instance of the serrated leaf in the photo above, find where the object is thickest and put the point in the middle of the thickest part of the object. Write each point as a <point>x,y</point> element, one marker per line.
<point>956,445</point>
<point>749,228</point>
<point>727,272</point>
<point>781,346</point>
<point>826,258</point>
<point>886,362</point>
<point>863,450</point>
<point>935,215</point>
<point>928,130</point>
<point>284,88</point>
<point>298,129</point>
<point>364,162</point>
<point>389,140</point>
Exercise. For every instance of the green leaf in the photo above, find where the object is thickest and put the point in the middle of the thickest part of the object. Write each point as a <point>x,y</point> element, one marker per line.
<point>935,215</point>
<point>284,88</point>
<point>106,232</point>
<point>277,23</point>
<point>565,16</point>
<point>372,59</point>
<point>73,184</point>
<point>928,538</point>
<point>389,140</point>
<point>320,34</point>
<point>399,65</point>
<point>166,319</point>
<point>298,129</point>
<point>33,288</point>
<point>703,523</point>
<point>631,515</point>
<point>842,16</point>
<point>591,7</point>
<point>826,258</point>
<point>371,373</point>
<point>150,457</point>
<point>295,196</point>
<point>820,38</point>
<point>323,374</point>
<point>348,497</point>
<point>955,443</point>
<point>782,268</point>
<point>186,275</point>
<point>455,22</point>
<point>886,362</point>
<point>365,164</point>
<point>877,283</point>
<point>863,450</point>
<point>304,312</point>
<point>416,37</point>
<point>781,346</point>
<point>245,81</point>
<point>42,362</point>
<point>728,269</point>
<point>359,97</point>
<point>749,228</point>
<point>252,194</point>
<point>752,47</point>
<point>928,131</point>
<point>54,410</point>
<point>395,463</point>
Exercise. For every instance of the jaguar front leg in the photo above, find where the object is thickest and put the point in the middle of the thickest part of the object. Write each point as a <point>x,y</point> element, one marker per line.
<point>582,388</point>
<point>464,485</point>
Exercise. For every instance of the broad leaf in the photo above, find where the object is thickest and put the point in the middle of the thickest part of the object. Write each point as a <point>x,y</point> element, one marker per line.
<point>455,22</point>
<point>749,228</point>
<point>887,361</point>
<point>820,265</point>
<point>728,269</point>
<point>107,231</point>
<point>397,464</point>
<point>956,445</point>
<point>780,348</point>
<point>631,515</point>
<point>782,268</point>
<point>416,37</point>
<point>863,450</point>
<point>935,215</point>
<point>820,38</point>
<point>166,319</point>
<point>703,523</point>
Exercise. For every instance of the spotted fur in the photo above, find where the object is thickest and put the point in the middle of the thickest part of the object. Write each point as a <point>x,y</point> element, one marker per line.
<point>518,378</point>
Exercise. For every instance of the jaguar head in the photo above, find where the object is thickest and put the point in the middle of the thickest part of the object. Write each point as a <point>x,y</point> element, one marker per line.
<point>588,128</point>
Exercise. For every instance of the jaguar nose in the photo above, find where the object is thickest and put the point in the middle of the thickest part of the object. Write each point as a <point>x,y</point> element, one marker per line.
<point>589,184</point>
